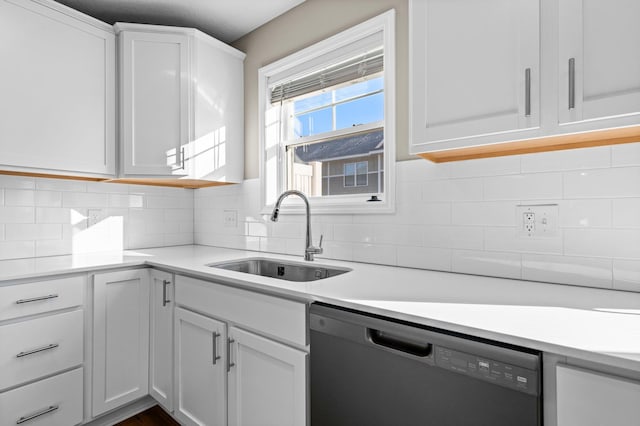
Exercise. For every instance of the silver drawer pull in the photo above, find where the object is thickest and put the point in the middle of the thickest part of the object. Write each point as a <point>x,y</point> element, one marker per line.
<point>47,410</point>
<point>36,299</point>
<point>35,351</point>
<point>572,83</point>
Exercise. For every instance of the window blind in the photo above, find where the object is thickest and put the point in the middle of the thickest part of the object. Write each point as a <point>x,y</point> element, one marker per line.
<point>359,66</point>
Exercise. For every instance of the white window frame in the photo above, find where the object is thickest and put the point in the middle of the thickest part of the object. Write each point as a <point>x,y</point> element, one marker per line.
<point>272,158</point>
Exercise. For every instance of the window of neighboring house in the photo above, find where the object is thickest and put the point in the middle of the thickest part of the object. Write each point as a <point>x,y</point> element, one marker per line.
<point>355,174</point>
<point>328,121</point>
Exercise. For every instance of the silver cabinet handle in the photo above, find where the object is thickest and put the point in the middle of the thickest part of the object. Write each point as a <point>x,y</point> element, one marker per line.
<point>216,357</point>
<point>38,414</point>
<point>182,157</point>
<point>35,351</point>
<point>165,283</point>
<point>229,363</point>
<point>572,83</point>
<point>36,299</point>
<point>527,92</point>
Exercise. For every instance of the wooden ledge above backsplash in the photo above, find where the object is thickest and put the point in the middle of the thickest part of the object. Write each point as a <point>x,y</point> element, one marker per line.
<point>174,183</point>
<point>545,144</point>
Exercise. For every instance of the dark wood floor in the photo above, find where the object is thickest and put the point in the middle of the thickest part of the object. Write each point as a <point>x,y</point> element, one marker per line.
<point>154,416</point>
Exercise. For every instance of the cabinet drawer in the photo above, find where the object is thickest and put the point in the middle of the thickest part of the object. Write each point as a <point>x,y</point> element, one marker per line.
<point>281,318</point>
<point>35,348</point>
<point>41,296</point>
<point>56,401</point>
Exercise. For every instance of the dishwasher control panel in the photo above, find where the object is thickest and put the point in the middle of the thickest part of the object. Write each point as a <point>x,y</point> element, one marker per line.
<point>487,369</point>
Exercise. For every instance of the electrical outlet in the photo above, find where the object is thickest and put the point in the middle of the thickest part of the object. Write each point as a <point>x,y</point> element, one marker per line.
<point>93,217</point>
<point>539,220</point>
<point>529,222</point>
<point>230,218</point>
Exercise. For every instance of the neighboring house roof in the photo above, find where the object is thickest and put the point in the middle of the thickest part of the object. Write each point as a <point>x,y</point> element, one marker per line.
<point>348,146</point>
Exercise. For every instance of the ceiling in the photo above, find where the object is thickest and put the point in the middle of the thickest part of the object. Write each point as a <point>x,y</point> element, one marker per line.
<point>226,20</point>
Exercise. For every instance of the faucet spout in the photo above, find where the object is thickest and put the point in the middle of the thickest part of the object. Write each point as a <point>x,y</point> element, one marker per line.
<point>309,250</point>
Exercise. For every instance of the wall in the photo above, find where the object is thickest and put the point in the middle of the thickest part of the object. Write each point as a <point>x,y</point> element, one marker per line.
<point>47,217</point>
<point>461,217</point>
<point>302,26</point>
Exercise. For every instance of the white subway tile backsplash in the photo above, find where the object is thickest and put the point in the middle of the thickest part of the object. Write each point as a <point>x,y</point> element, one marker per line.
<point>523,187</point>
<point>421,170</point>
<point>61,185</point>
<point>626,213</point>
<point>571,159</point>
<point>452,190</point>
<point>85,199</point>
<point>48,199</point>
<point>17,182</point>
<point>17,214</point>
<point>375,253</point>
<point>510,240</point>
<point>424,258</point>
<point>32,231</point>
<point>19,197</point>
<point>626,154</point>
<point>585,213</point>
<point>603,183</point>
<point>626,274</point>
<point>489,213</point>
<point>506,264</point>
<point>126,200</point>
<point>608,243</point>
<point>486,167</point>
<point>588,272</point>
<point>17,249</point>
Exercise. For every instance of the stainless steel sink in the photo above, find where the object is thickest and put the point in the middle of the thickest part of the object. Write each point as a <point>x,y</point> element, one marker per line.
<point>289,271</point>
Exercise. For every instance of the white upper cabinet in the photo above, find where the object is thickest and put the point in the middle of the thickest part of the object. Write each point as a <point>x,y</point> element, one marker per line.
<point>57,108</point>
<point>599,62</point>
<point>181,95</point>
<point>475,71</point>
<point>154,78</point>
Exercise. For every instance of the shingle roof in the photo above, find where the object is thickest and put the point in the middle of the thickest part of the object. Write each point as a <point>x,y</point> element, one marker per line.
<point>348,146</point>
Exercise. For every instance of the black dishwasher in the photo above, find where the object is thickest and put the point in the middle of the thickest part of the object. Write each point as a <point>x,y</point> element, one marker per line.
<point>368,371</point>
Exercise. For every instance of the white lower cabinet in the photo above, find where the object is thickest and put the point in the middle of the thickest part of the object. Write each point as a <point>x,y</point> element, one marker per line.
<point>267,381</point>
<point>590,398</point>
<point>161,338</point>
<point>201,369</point>
<point>120,339</point>
<point>56,401</point>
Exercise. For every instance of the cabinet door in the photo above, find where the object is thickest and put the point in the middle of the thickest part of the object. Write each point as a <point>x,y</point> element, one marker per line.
<point>267,382</point>
<point>475,70</point>
<point>588,398</point>
<point>201,369</point>
<point>599,63</point>
<point>154,102</point>
<point>161,339</point>
<point>57,108</point>
<point>120,338</point>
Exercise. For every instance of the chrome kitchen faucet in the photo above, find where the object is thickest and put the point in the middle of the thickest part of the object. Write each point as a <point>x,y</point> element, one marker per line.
<point>310,250</point>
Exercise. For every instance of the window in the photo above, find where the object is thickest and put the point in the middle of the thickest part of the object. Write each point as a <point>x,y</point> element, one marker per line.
<point>328,121</point>
<point>355,174</point>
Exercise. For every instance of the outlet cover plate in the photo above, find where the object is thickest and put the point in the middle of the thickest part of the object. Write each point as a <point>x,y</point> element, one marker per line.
<point>537,220</point>
<point>230,218</point>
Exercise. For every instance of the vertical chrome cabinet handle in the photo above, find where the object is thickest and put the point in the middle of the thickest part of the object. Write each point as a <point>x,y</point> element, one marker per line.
<point>216,357</point>
<point>47,410</point>
<point>572,83</point>
<point>229,363</point>
<point>182,157</point>
<point>35,351</point>
<point>527,92</point>
<point>36,299</point>
<point>165,283</point>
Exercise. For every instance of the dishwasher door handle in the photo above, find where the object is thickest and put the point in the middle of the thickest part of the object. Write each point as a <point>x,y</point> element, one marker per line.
<point>399,343</point>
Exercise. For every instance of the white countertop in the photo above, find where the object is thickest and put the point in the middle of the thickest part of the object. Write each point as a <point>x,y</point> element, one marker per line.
<point>592,324</point>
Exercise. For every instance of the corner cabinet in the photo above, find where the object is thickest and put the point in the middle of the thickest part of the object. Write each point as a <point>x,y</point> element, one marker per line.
<point>57,108</point>
<point>120,338</point>
<point>503,77</point>
<point>181,104</point>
